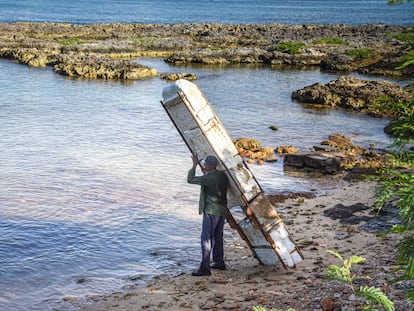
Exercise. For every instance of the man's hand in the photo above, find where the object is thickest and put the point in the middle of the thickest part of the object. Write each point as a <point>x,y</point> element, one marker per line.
<point>195,159</point>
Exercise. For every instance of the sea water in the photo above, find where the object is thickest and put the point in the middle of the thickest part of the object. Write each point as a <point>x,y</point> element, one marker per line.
<point>93,193</point>
<point>202,11</point>
<point>93,190</point>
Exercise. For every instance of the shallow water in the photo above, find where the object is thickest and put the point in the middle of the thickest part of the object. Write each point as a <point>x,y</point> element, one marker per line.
<point>93,191</point>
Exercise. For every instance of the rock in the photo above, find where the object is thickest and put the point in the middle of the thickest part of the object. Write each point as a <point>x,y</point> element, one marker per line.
<point>286,149</point>
<point>262,153</point>
<point>346,213</point>
<point>177,76</point>
<point>344,143</point>
<point>327,163</point>
<point>327,304</point>
<point>283,196</point>
<point>352,93</point>
<point>358,172</point>
<point>325,148</point>
<point>250,148</point>
<point>103,68</point>
<point>338,153</point>
<point>247,143</point>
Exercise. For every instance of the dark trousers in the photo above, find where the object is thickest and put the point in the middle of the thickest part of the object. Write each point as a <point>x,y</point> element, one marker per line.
<point>212,239</point>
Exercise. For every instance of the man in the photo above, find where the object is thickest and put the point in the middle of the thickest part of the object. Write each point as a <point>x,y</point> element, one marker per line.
<point>213,207</point>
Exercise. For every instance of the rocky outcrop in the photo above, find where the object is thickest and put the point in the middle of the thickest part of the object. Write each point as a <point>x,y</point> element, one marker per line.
<point>48,44</point>
<point>335,154</point>
<point>177,76</point>
<point>103,68</point>
<point>323,162</point>
<point>355,94</point>
<point>251,148</point>
<point>286,149</point>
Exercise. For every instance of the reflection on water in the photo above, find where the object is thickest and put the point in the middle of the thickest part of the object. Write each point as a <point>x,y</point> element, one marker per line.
<point>93,188</point>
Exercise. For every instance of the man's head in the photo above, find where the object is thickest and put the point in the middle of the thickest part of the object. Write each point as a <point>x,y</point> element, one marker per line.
<point>210,163</point>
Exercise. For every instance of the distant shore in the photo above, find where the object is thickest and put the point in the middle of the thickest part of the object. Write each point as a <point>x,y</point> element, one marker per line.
<point>105,51</point>
<point>246,283</point>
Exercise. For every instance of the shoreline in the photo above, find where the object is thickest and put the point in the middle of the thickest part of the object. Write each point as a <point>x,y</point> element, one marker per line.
<point>245,283</point>
<point>105,51</point>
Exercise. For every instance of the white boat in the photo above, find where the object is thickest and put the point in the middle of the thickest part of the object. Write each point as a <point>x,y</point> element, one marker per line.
<point>250,211</point>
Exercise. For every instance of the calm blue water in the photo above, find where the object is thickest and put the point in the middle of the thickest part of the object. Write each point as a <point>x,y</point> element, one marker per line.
<point>92,190</point>
<point>220,11</point>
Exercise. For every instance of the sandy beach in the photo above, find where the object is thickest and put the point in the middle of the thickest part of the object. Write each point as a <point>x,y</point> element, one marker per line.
<point>246,284</point>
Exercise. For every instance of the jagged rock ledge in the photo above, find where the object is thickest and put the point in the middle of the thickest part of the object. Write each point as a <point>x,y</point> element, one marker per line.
<point>328,46</point>
<point>354,94</point>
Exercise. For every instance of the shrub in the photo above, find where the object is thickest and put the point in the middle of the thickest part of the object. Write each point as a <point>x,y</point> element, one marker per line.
<point>371,297</point>
<point>397,184</point>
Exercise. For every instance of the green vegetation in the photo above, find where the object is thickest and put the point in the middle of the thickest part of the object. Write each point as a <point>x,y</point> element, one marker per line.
<point>216,48</point>
<point>290,47</point>
<point>371,297</point>
<point>71,41</point>
<point>398,1</point>
<point>397,185</point>
<point>405,37</point>
<point>145,40</point>
<point>406,60</point>
<point>389,106</point>
<point>397,180</point>
<point>329,41</point>
<point>264,309</point>
<point>360,53</point>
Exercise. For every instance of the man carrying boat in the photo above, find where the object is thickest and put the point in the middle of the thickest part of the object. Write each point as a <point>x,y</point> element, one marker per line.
<point>213,207</point>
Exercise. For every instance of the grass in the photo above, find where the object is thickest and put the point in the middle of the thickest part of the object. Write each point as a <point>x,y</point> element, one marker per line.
<point>404,37</point>
<point>360,53</point>
<point>71,41</point>
<point>145,40</point>
<point>290,47</point>
<point>329,41</point>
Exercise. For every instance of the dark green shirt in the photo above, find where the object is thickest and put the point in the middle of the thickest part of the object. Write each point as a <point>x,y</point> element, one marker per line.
<point>213,191</point>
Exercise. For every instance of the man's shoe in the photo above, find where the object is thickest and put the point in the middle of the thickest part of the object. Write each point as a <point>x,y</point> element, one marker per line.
<point>200,273</point>
<point>218,267</point>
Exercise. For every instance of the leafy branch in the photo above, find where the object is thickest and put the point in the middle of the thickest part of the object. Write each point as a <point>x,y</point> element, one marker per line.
<point>372,296</point>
